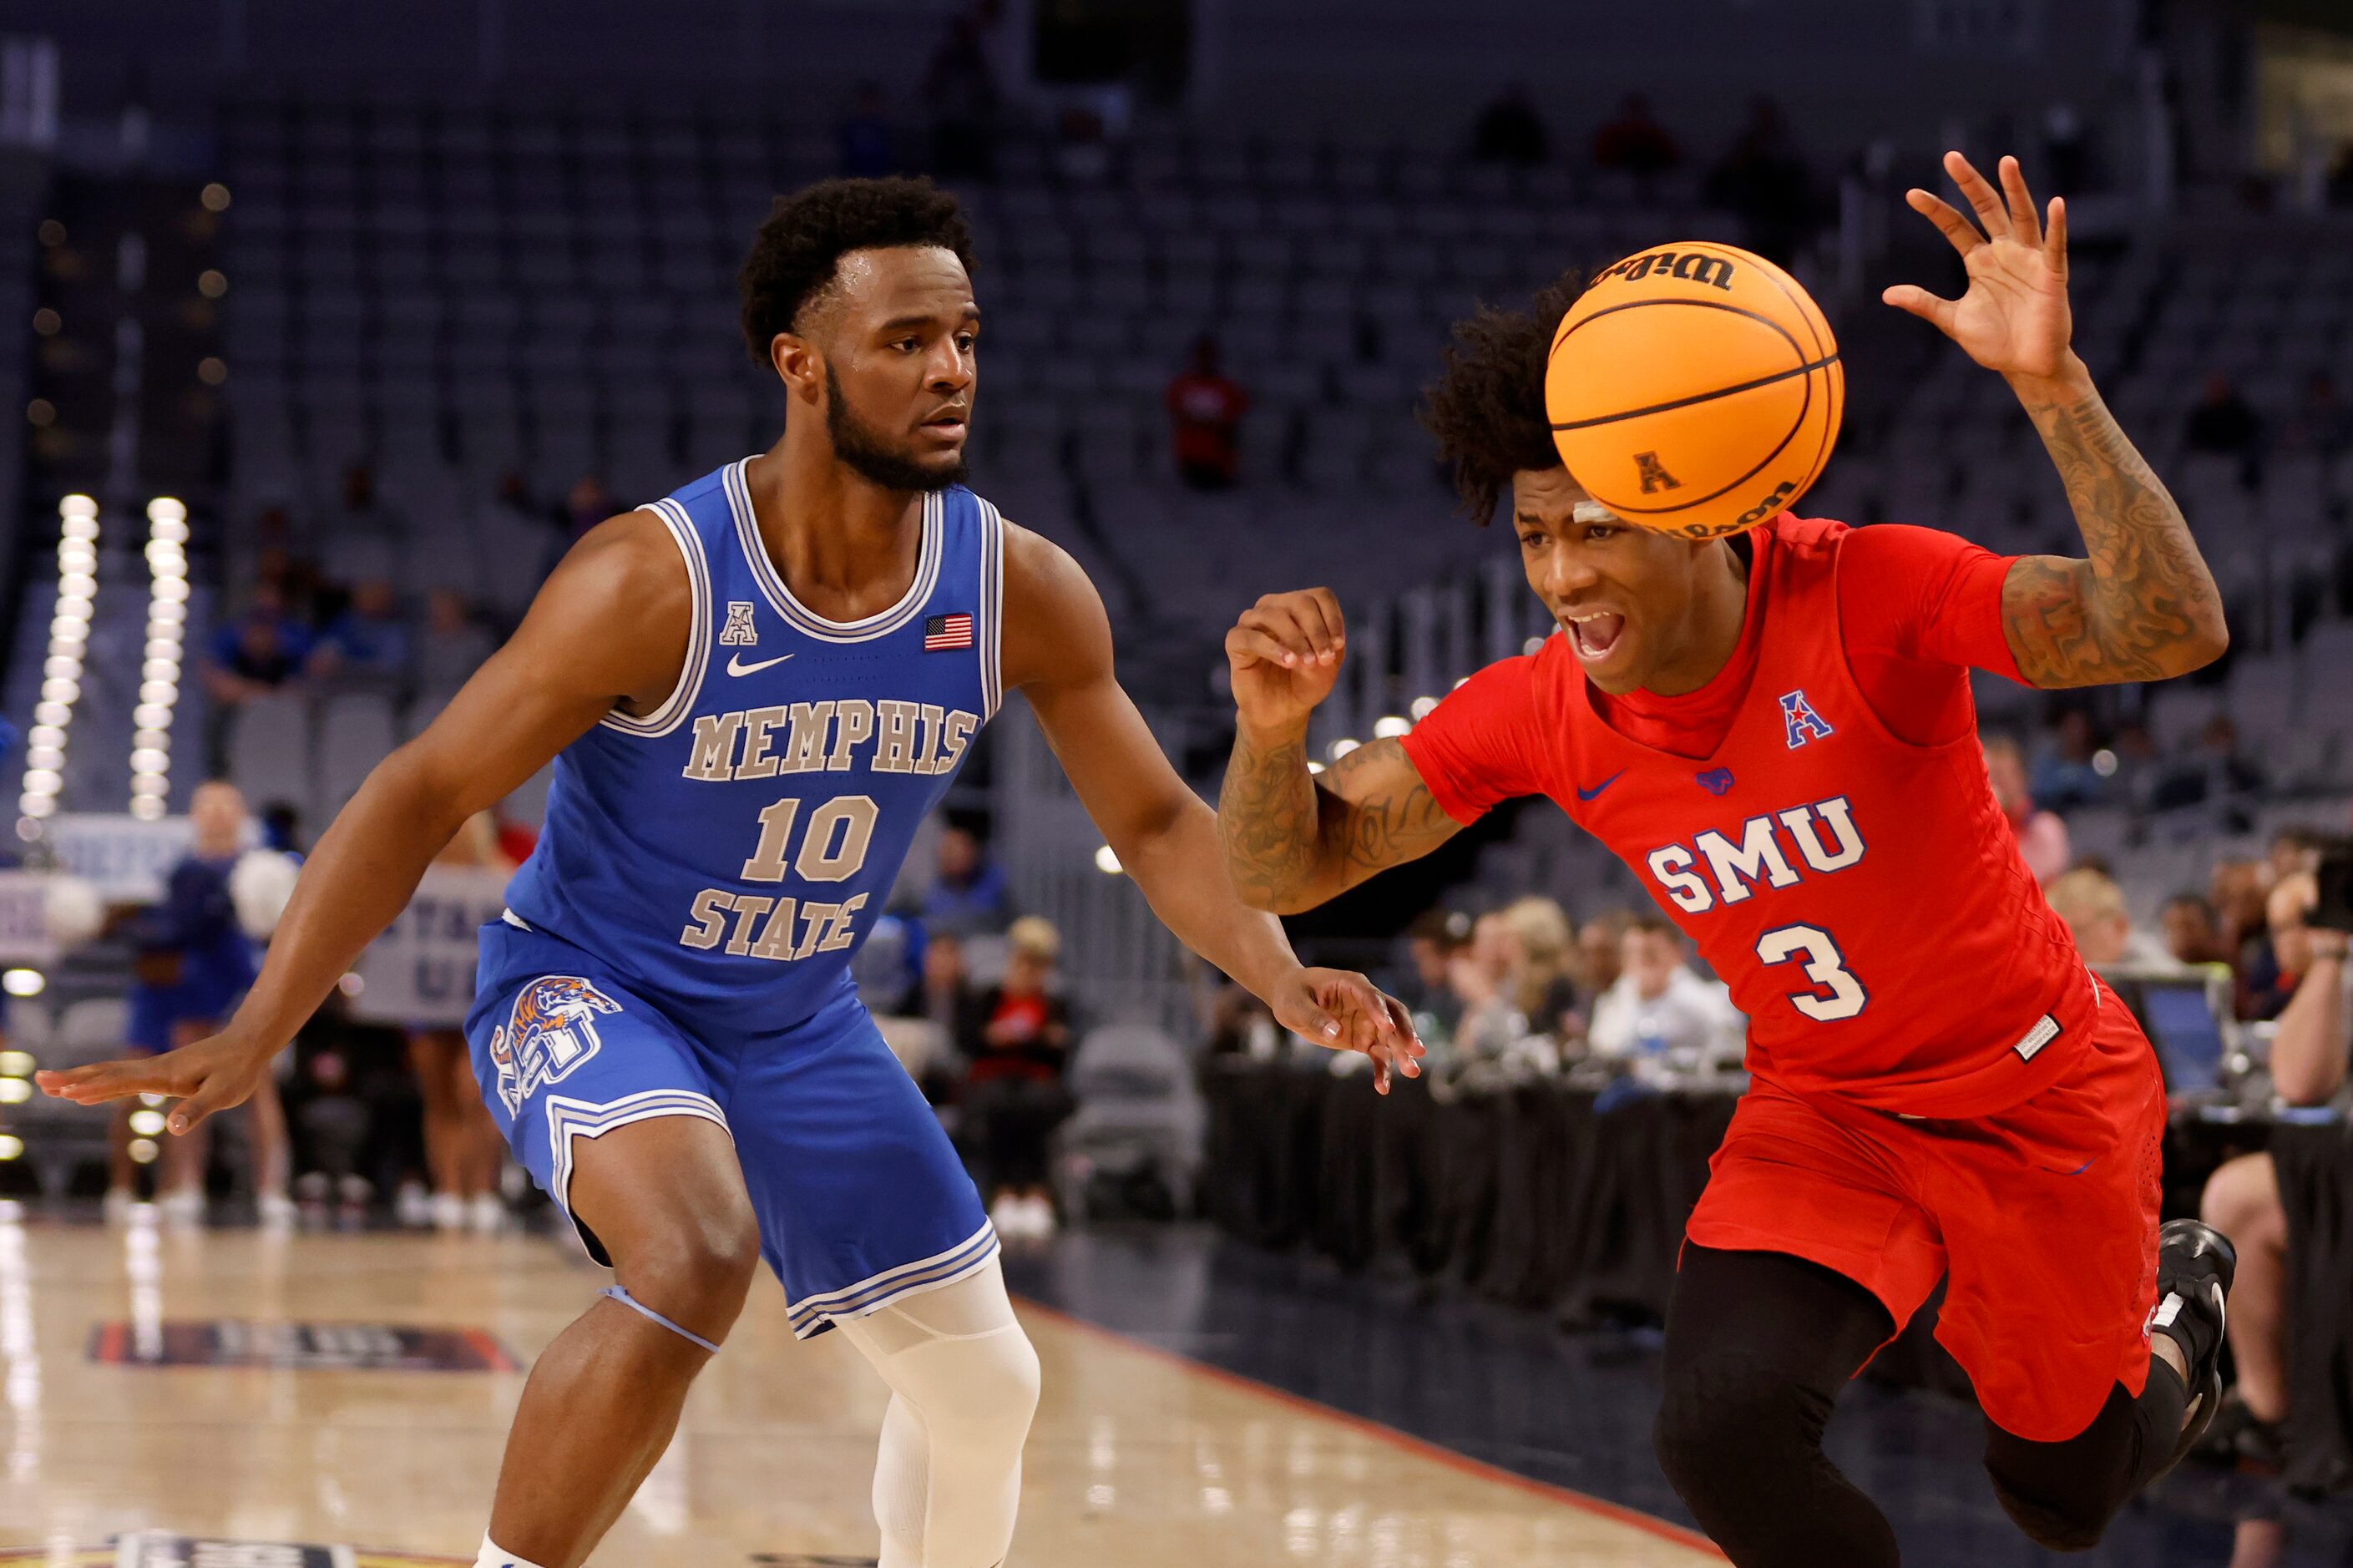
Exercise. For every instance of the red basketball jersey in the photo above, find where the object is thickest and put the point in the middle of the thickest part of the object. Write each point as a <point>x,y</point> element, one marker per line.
<point>1861,895</point>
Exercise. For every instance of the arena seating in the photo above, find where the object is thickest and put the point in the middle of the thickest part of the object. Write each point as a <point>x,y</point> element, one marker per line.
<point>453,296</point>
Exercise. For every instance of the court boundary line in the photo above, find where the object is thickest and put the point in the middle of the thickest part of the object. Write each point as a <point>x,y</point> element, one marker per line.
<point>1650,1524</point>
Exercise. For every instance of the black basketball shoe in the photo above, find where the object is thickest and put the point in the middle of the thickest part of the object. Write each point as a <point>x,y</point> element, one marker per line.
<point>2194,1266</point>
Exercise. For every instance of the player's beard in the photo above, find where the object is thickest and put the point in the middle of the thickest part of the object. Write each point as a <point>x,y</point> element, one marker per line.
<point>862,447</point>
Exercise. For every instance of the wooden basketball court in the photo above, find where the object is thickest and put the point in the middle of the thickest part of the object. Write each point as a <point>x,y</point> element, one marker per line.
<point>1138,1458</point>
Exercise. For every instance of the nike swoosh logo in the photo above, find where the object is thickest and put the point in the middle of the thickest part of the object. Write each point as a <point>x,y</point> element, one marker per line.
<point>737,665</point>
<point>1604,784</point>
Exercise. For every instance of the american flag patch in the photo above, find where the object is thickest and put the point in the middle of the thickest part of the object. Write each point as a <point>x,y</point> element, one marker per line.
<point>944,632</point>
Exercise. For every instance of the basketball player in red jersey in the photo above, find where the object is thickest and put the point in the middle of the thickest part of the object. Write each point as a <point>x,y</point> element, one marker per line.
<point>1776,732</point>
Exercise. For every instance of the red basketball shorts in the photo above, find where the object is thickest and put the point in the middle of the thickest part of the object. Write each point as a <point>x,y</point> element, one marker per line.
<point>2045,1215</point>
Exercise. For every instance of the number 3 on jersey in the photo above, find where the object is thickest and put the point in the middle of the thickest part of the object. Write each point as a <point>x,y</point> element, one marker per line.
<point>1825,967</point>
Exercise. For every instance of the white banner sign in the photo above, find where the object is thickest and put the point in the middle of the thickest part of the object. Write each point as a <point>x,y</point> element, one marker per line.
<point>23,919</point>
<point>127,858</point>
<point>421,972</point>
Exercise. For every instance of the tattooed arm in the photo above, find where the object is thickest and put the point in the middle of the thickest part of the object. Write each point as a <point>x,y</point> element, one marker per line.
<point>2143,607</point>
<point>1292,839</point>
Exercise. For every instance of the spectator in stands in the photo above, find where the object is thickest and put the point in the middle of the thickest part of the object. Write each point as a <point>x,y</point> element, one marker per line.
<point>450,646</point>
<point>863,136</point>
<point>1014,1092</point>
<point>463,1150</point>
<point>2064,774</point>
<point>1660,1015</point>
<point>2216,774</point>
<point>369,645</point>
<point>2191,936</point>
<point>1481,978</point>
<point>960,89</point>
<point>1240,1025</point>
<point>261,651</point>
<point>1205,412</point>
<point>1510,131</point>
<point>2275,967</point>
<point>2223,423</point>
<point>1601,951</point>
<point>945,993</point>
<point>2292,848</point>
<point>2236,889</point>
<point>2322,424</point>
<point>194,962</point>
<point>1634,143</point>
<point>2138,764</point>
<point>364,517</point>
<point>2042,837</point>
<point>970,895</point>
<point>1542,956</point>
<point>281,828</point>
<point>1764,179</point>
<point>2094,907</point>
<point>2242,1198</point>
<point>588,504</point>
<point>1433,941</point>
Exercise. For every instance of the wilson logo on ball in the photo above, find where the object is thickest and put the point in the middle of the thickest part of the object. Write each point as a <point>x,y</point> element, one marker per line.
<point>1655,477</point>
<point>1692,267</point>
<point>1689,382</point>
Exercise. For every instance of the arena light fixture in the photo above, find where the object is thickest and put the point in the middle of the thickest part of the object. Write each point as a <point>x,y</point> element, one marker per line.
<point>14,1092</point>
<point>1343,747</point>
<point>15,1064</point>
<point>1423,707</point>
<point>1107,861</point>
<point>20,982</point>
<point>147,1123</point>
<point>159,669</point>
<point>1389,726</point>
<point>61,667</point>
<point>143,1150</point>
<point>11,1146</point>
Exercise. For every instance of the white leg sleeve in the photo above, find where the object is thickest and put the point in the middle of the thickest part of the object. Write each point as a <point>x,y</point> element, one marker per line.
<point>963,1384</point>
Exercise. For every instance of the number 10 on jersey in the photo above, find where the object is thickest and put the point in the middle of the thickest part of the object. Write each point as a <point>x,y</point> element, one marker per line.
<point>832,848</point>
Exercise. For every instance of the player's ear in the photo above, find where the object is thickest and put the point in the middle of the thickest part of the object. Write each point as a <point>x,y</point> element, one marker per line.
<point>801,366</point>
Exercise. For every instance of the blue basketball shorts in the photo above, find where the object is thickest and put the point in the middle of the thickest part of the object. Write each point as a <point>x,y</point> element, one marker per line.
<point>861,1197</point>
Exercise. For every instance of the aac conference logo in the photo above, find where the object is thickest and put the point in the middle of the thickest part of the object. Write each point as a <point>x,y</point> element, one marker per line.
<point>155,1549</point>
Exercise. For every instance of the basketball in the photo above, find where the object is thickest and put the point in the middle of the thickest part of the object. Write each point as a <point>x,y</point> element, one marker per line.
<point>1694,390</point>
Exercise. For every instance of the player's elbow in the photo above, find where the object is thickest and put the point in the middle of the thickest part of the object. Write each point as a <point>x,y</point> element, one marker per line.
<point>2208,639</point>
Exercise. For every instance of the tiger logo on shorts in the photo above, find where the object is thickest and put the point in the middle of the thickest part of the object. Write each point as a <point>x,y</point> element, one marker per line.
<point>551,1032</point>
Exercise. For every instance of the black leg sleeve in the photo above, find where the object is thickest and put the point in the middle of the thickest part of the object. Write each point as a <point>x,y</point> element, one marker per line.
<point>2064,1494</point>
<point>1759,1346</point>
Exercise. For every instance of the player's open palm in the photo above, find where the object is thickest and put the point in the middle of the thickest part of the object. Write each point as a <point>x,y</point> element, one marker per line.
<point>2014,316</point>
<point>1284,655</point>
<point>213,1074</point>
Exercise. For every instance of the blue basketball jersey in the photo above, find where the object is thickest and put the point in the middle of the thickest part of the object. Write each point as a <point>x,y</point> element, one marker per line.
<point>728,851</point>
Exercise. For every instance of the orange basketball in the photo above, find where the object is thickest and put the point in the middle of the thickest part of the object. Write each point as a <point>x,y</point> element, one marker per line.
<point>1694,390</point>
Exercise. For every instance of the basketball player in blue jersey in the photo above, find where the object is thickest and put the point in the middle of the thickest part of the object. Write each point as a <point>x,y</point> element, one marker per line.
<point>752,691</point>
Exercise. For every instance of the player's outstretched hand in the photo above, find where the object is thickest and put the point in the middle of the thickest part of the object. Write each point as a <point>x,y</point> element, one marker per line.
<point>1342,1011</point>
<point>2014,316</point>
<point>1285,654</point>
<point>211,1075</point>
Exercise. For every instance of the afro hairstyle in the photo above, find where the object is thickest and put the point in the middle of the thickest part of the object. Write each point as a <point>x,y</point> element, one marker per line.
<point>795,254</point>
<point>1487,406</point>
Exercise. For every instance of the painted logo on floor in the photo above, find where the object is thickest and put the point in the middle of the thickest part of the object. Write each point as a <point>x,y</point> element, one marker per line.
<point>156,1549</point>
<point>299,1347</point>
